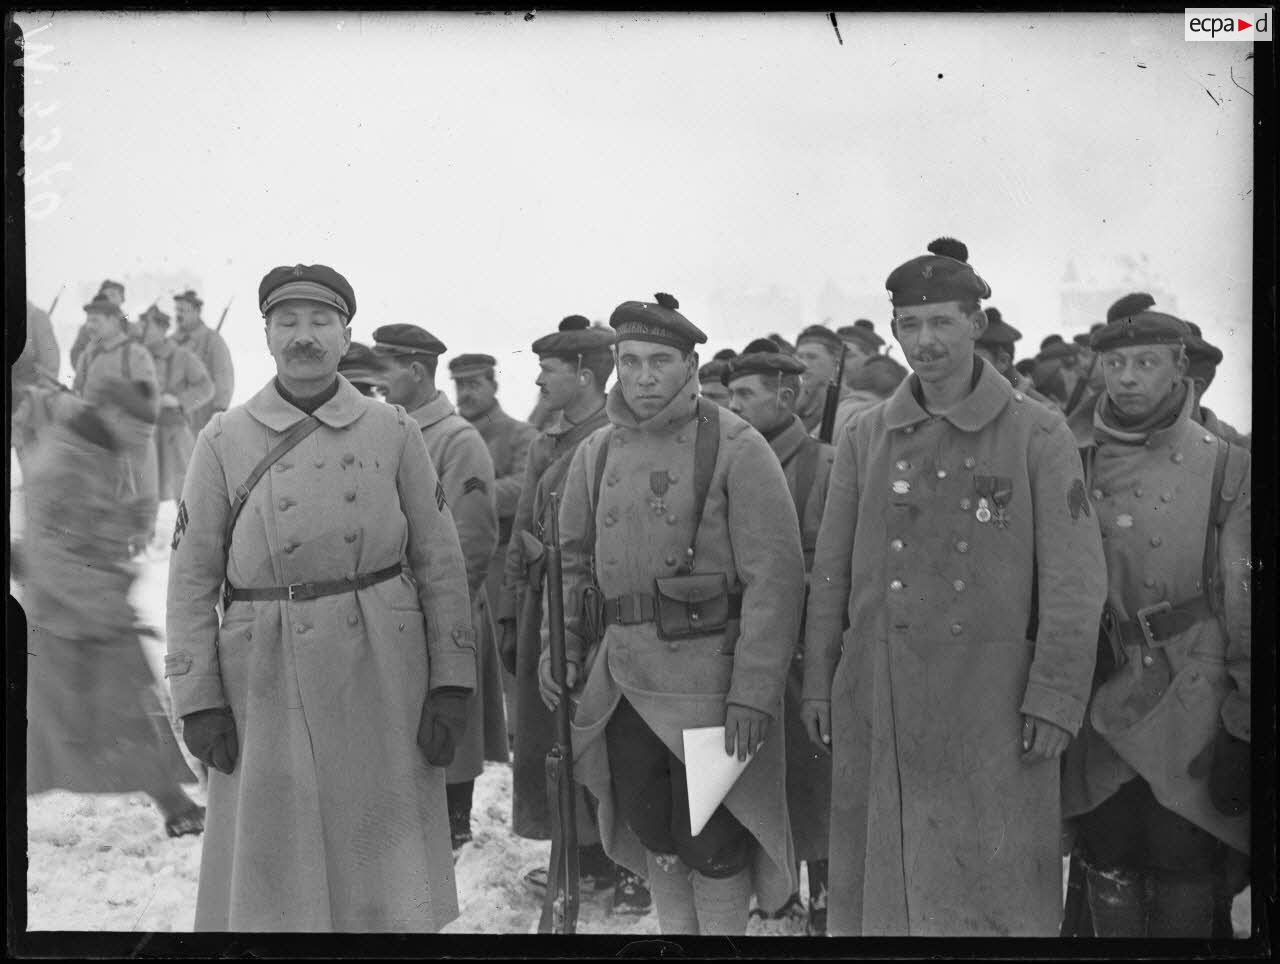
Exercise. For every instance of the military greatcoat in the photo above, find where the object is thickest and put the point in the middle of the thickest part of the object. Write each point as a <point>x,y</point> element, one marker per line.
<point>466,471</point>
<point>937,826</point>
<point>808,768</point>
<point>749,532</point>
<point>180,374</point>
<point>209,346</point>
<point>332,819</point>
<point>523,587</point>
<point>1153,500</point>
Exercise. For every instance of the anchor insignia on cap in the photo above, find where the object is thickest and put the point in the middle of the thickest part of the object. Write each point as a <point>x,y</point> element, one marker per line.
<point>927,271</point>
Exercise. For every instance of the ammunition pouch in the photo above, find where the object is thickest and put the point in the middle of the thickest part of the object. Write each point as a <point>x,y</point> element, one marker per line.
<point>693,605</point>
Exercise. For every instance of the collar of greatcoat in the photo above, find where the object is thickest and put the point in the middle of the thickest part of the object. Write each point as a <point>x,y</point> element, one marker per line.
<point>278,415</point>
<point>789,440</point>
<point>676,413</point>
<point>437,409</point>
<point>971,414</point>
<point>1098,432</point>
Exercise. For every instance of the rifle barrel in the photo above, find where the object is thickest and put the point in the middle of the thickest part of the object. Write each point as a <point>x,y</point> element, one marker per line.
<point>828,426</point>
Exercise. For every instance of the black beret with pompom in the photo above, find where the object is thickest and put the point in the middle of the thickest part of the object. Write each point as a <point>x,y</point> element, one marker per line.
<point>574,323</point>
<point>657,321</point>
<point>949,248</point>
<point>1130,304</point>
<point>666,300</point>
<point>993,315</point>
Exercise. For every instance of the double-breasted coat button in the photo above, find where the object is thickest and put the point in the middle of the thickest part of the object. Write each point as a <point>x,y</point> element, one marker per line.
<point>319,463</point>
<point>962,546</point>
<point>1097,494</point>
<point>1166,496</point>
<point>896,545</point>
<point>672,478</point>
<point>350,496</point>
<point>1176,457</point>
<point>673,646</point>
<point>281,467</point>
<point>895,585</point>
<point>958,585</point>
<point>299,628</point>
<point>671,519</point>
<point>682,437</point>
<point>970,462</point>
<point>910,429</point>
<point>670,560</point>
<point>1137,491</point>
<point>942,473</point>
<point>1149,582</point>
<point>609,520</point>
<point>353,620</point>
<point>1148,660</point>
<point>1156,541</point>
<point>348,458</point>
<point>1018,396</point>
<point>902,465</point>
<point>1124,520</point>
<point>956,629</point>
<point>284,504</point>
<point>1207,438</point>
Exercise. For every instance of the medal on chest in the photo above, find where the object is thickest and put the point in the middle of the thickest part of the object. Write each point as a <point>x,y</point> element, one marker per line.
<point>994,494</point>
<point>659,482</point>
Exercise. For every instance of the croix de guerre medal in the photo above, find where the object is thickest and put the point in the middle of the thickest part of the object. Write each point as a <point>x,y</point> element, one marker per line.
<point>659,482</point>
<point>1001,495</point>
<point>984,485</point>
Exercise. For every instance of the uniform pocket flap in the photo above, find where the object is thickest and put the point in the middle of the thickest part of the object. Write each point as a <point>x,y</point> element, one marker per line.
<point>176,664</point>
<point>698,588</point>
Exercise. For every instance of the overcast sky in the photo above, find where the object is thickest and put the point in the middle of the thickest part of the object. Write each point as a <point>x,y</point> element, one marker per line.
<point>484,176</point>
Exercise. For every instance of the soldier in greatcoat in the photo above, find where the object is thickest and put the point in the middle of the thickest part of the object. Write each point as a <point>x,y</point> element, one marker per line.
<point>574,365</point>
<point>1203,359</point>
<point>208,346</point>
<point>952,508</point>
<point>184,386</point>
<point>112,291</point>
<point>329,696</point>
<point>861,344</point>
<point>764,384</point>
<point>711,377</point>
<point>476,394</point>
<point>661,667</point>
<point>819,349</point>
<point>111,361</point>
<point>409,356</point>
<point>870,384</point>
<point>1159,779</point>
<point>996,347</point>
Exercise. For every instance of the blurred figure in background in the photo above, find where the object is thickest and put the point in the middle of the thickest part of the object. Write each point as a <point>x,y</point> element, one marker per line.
<point>1054,374</point>
<point>185,386</point>
<point>871,383</point>
<point>361,367</point>
<point>208,346</point>
<point>996,346</point>
<point>712,375</point>
<point>819,349</point>
<point>35,381</point>
<point>117,377</point>
<point>113,291</point>
<point>1202,365</point>
<point>95,723</point>
<point>861,344</point>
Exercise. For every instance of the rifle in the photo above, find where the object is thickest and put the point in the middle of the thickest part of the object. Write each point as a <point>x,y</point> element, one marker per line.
<point>223,317</point>
<point>828,426</point>
<point>1081,385</point>
<point>560,905</point>
<point>55,301</point>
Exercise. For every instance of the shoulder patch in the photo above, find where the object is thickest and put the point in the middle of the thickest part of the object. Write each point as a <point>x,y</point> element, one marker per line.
<point>180,525</point>
<point>440,503</point>
<point>1078,500</point>
<point>474,484</point>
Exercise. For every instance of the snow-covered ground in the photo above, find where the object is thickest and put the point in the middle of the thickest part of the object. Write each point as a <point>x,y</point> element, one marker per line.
<point>103,862</point>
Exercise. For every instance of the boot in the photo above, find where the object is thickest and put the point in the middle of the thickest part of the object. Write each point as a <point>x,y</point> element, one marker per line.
<point>672,892</point>
<point>630,893</point>
<point>817,898</point>
<point>721,902</point>
<point>1116,902</point>
<point>1181,905</point>
<point>458,799</point>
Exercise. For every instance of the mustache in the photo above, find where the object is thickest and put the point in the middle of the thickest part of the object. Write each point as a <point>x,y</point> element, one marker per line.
<point>306,351</point>
<point>928,355</point>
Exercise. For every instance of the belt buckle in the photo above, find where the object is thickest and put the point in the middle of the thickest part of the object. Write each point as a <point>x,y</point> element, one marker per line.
<point>628,609</point>
<point>296,588</point>
<point>1144,614</point>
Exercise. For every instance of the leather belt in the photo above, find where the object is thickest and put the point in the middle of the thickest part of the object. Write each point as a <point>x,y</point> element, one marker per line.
<point>1154,625</point>
<point>300,591</point>
<point>641,607</point>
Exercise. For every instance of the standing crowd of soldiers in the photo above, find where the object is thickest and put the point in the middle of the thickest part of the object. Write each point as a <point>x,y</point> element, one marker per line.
<point>943,614</point>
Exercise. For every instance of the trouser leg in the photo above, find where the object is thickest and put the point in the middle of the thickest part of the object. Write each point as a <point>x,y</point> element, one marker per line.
<point>458,799</point>
<point>1181,905</point>
<point>1112,844</point>
<point>671,885</point>
<point>722,903</point>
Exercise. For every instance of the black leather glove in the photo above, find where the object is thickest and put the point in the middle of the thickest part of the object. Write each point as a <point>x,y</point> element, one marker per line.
<point>1229,774</point>
<point>444,721</point>
<point>210,735</point>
